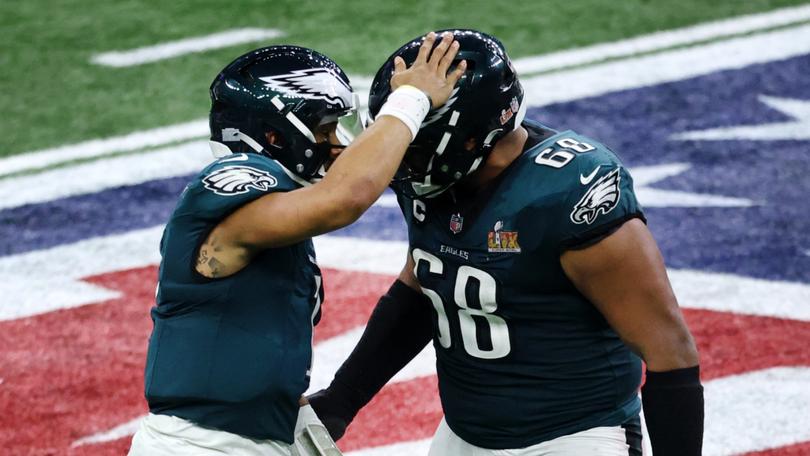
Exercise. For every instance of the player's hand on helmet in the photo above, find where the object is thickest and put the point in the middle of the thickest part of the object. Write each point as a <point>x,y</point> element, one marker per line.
<point>429,71</point>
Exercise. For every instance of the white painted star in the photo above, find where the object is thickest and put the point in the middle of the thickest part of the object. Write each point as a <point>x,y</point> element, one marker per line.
<point>644,176</point>
<point>796,129</point>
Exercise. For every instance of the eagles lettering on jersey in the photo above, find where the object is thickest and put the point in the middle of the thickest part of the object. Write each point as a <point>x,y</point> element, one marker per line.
<point>522,356</point>
<point>232,353</point>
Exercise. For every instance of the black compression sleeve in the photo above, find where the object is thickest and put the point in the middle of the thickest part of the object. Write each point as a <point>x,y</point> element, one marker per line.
<point>673,411</point>
<point>398,329</point>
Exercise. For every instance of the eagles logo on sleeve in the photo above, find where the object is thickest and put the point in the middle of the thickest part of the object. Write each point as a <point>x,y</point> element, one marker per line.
<point>235,180</point>
<point>602,197</point>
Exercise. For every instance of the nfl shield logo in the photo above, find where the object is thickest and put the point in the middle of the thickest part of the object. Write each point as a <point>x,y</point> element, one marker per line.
<point>456,222</point>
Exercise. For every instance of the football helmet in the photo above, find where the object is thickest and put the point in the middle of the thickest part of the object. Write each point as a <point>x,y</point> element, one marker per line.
<point>283,92</point>
<point>453,141</point>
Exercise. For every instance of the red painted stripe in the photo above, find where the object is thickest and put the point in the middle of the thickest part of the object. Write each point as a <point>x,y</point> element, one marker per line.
<point>78,371</point>
<point>401,412</point>
<point>732,344</point>
<point>349,299</point>
<point>799,449</point>
<point>75,372</point>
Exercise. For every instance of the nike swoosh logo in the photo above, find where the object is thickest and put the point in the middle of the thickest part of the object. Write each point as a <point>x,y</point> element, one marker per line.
<point>585,180</point>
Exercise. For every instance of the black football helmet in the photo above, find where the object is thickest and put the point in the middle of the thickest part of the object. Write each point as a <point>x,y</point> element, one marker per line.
<point>453,141</point>
<point>286,90</point>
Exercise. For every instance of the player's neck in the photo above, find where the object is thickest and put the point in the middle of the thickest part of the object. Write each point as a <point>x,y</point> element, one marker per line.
<point>509,148</point>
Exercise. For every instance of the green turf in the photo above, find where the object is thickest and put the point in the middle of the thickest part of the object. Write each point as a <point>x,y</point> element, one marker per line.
<point>51,95</point>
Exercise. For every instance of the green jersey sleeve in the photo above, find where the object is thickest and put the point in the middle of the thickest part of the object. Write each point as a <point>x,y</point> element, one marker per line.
<point>598,204</point>
<point>583,191</point>
<point>231,182</point>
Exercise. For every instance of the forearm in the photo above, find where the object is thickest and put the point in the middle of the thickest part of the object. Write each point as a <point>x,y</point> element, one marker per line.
<point>399,328</point>
<point>673,411</point>
<point>363,171</point>
<point>366,167</point>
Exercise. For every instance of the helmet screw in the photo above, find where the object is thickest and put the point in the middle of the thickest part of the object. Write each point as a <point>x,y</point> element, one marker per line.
<point>299,167</point>
<point>308,153</point>
<point>444,168</point>
<point>457,176</point>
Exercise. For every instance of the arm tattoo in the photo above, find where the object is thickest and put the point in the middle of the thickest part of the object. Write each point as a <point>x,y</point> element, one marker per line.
<point>202,258</point>
<point>216,267</point>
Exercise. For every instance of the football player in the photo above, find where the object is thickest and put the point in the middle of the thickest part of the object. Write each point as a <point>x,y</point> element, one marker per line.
<point>531,267</point>
<point>239,288</point>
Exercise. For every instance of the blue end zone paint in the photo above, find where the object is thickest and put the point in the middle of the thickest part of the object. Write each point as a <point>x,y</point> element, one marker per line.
<point>765,241</point>
<point>762,241</point>
<point>122,209</point>
<point>68,220</point>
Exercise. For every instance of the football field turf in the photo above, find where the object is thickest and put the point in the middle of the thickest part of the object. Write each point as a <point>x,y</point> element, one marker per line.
<point>707,103</point>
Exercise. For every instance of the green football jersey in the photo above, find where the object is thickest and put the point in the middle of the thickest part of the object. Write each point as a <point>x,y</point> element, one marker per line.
<point>522,356</point>
<point>232,353</point>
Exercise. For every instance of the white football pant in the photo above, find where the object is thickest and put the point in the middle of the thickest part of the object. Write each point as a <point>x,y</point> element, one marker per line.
<point>164,435</point>
<point>600,441</point>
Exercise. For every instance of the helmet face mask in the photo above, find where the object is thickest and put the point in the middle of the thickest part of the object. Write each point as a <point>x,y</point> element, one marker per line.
<point>456,138</point>
<point>283,92</point>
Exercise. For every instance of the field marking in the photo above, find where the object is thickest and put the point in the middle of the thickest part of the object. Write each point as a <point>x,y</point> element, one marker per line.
<point>796,129</point>
<point>89,149</point>
<point>186,158</point>
<point>191,157</point>
<point>171,49</point>
<point>748,412</point>
<point>662,40</point>
<point>541,90</point>
<point>756,411</point>
<point>47,280</point>
<point>670,66</point>
<point>122,430</point>
<point>179,160</point>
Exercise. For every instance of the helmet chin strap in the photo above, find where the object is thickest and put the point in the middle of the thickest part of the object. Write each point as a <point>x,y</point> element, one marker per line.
<point>521,114</point>
<point>233,135</point>
<point>426,189</point>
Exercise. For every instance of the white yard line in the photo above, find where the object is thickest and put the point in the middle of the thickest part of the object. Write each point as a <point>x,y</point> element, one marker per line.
<point>171,49</point>
<point>98,147</point>
<point>541,90</point>
<point>668,66</point>
<point>99,175</point>
<point>757,411</point>
<point>663,40</point>
<point>190,157</point>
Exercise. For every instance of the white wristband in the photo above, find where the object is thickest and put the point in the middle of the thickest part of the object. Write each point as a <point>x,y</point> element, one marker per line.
<point>408,104</point>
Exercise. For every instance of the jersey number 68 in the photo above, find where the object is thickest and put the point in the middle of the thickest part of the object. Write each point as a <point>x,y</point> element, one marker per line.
<point>498,330</point>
